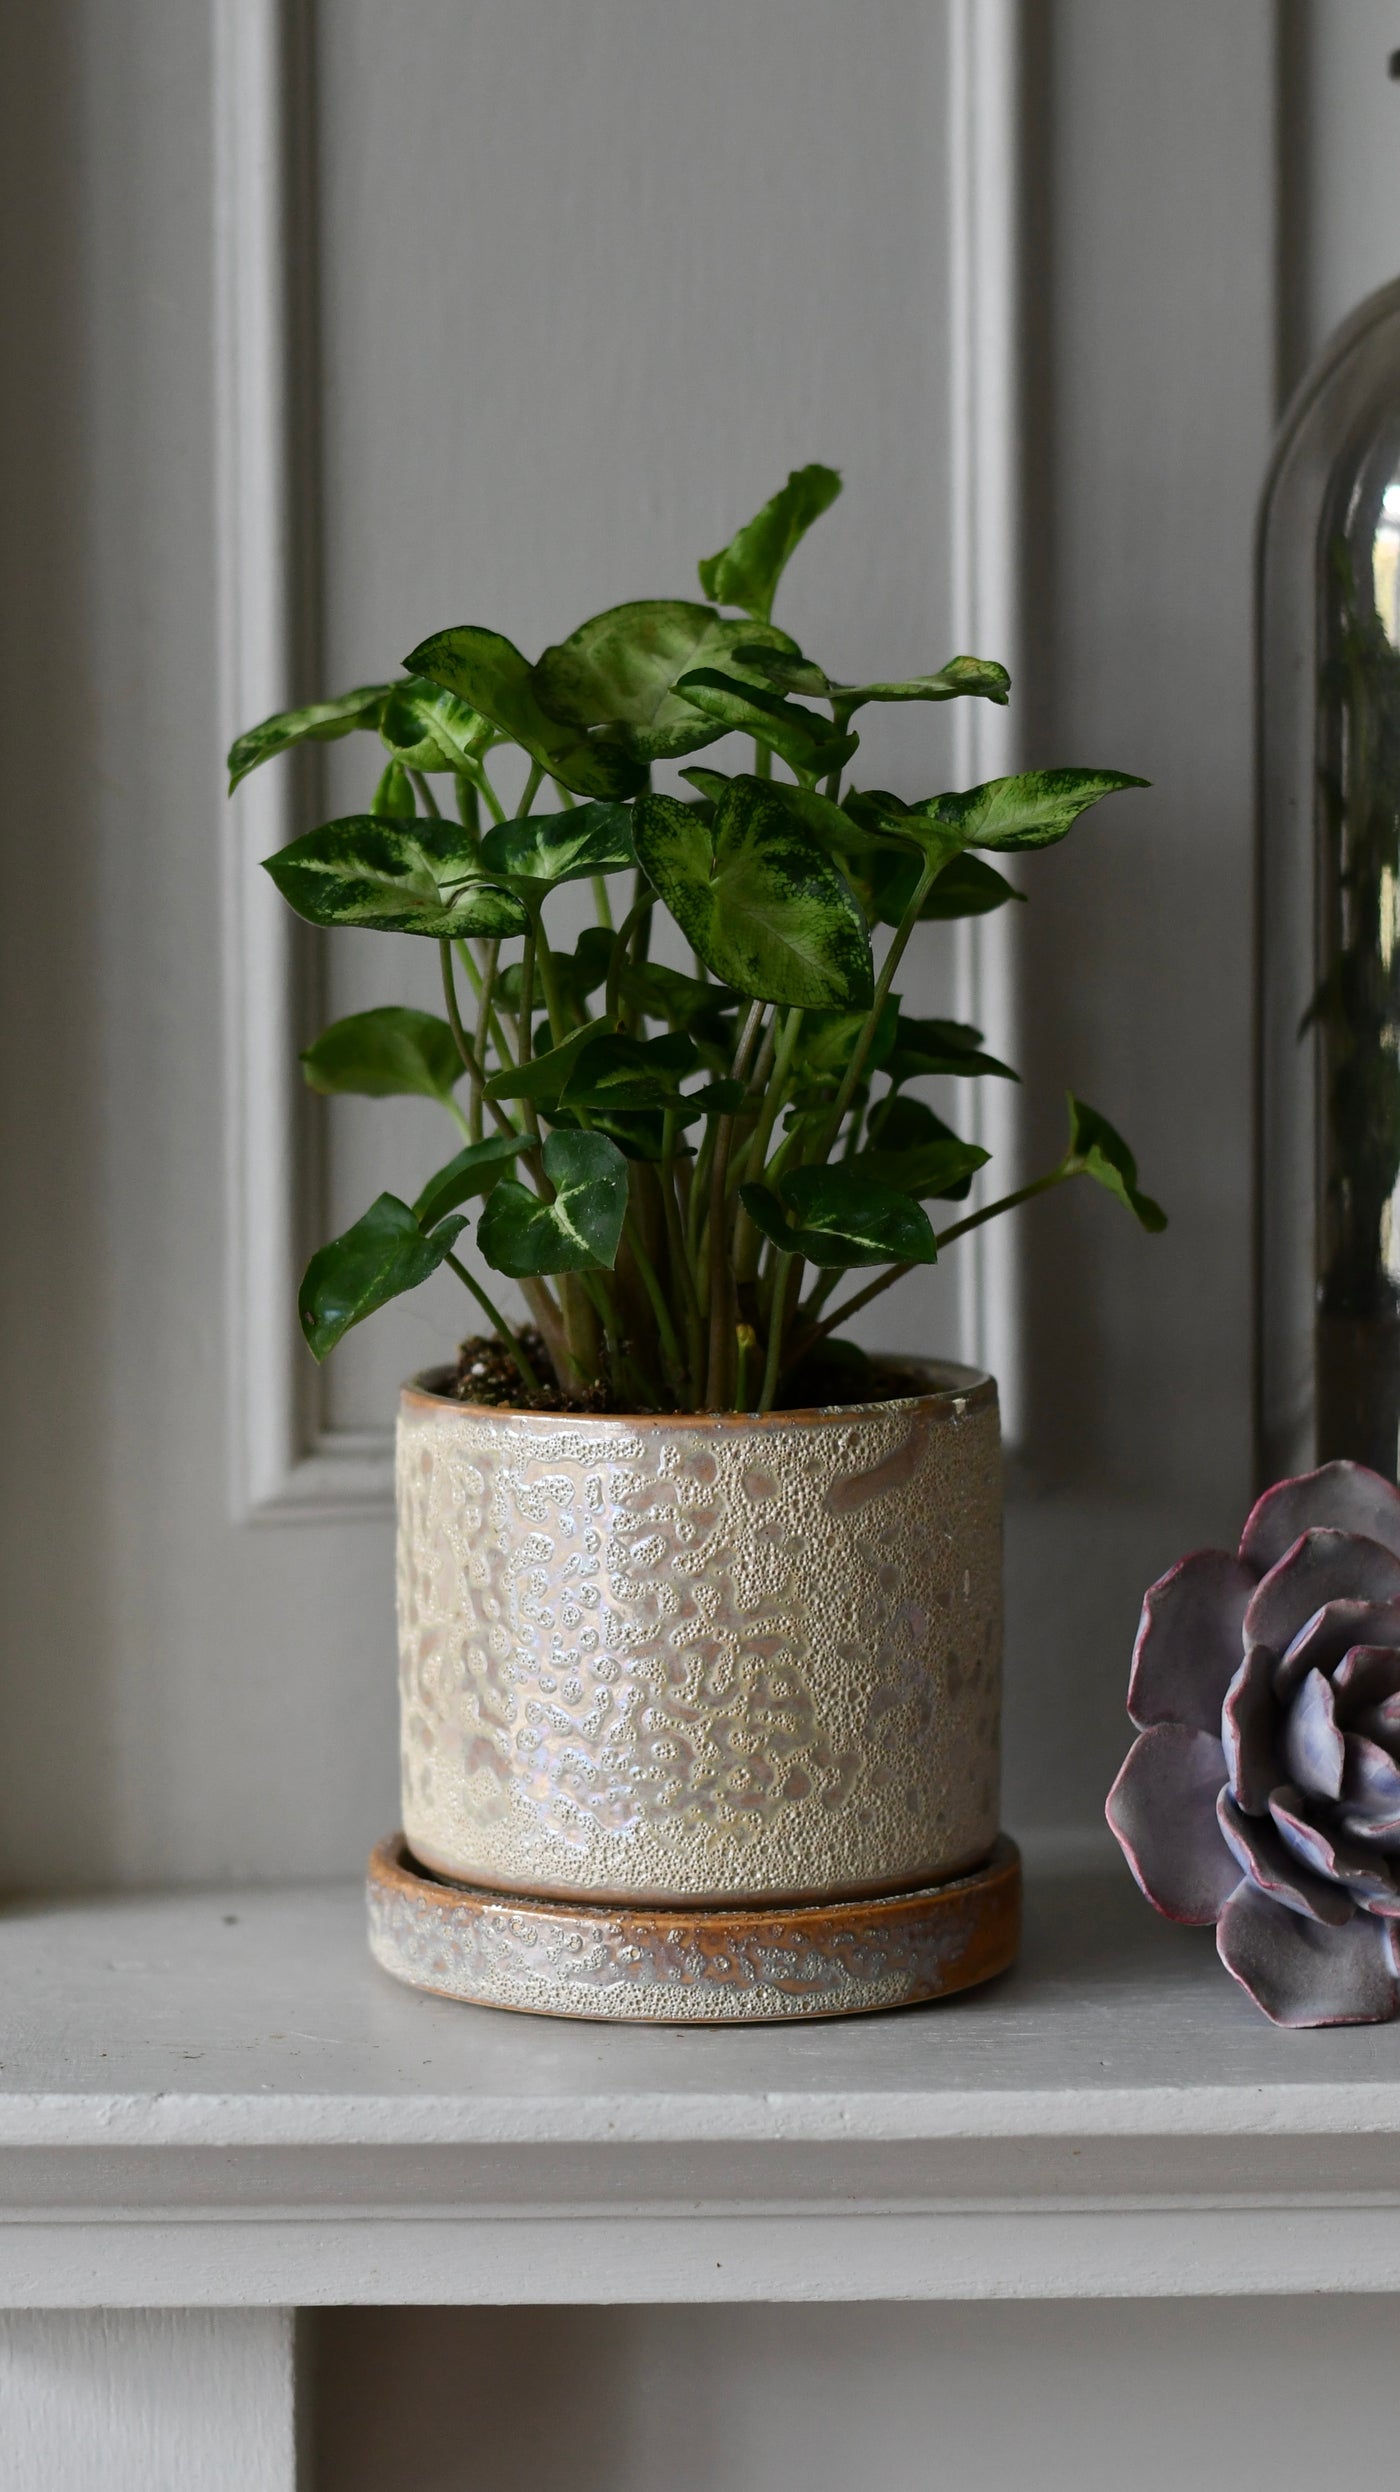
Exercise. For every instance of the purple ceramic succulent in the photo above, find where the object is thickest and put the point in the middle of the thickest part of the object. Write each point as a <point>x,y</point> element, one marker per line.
<point>1263,1792</point>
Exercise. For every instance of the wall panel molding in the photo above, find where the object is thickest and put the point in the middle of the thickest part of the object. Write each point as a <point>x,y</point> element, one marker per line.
<point>286,1463</point>
<point>986,158</point>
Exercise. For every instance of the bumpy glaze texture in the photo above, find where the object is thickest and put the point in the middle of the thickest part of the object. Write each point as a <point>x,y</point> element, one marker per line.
<point>701,1659</point>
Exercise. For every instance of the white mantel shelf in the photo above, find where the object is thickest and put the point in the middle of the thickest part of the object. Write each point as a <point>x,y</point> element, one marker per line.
<point>215,2098</point>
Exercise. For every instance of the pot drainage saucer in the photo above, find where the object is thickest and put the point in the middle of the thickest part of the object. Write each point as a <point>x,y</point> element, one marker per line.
<point>714,1964</point>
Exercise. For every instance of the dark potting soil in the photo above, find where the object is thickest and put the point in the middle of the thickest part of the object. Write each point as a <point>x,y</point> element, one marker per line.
<point>837,1372</point>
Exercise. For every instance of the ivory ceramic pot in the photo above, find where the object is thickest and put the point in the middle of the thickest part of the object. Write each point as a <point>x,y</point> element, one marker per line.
<point>701,1660</point>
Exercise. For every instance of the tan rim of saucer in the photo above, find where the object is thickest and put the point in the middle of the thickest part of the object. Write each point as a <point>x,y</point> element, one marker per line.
<point>657,1964</point>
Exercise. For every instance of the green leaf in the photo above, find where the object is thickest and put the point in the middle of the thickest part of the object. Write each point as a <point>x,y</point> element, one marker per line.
<point>829,824</point>
<point>941,1169</point>
<point>1031,810</point>
<point>932,1047</point>
<point>419,878</point>
<point>802,739</point>
<point>560,847</point>
<point>428,729</point>
<point>579,1231</point>
<point>544,1077</point>
<point>755,897</point>
<point>1101,1153</point>
<point>827,1040</point>
<point>384,1254</point>
<point>321,722</point>
<point>648,986</point>
<point>487,671</point>
<point>620,669</point>
<point>393,799</point>
<point>837,1219</point>
<point>391,1052</point>
<point>474,1171</point>
<point>626,1074</point>
<point>748,570</point>
<point>980,676</point>
<point>967,887</point>
<point>905,1134</point>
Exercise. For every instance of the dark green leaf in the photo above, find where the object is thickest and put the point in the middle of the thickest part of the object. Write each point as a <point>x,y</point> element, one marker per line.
<point>829,824</point>
<point>723,1098</point>
<point>664,994</point>
<point>579,1231</point>
<point>560,847</point>
<point>1103,1155</point>
<point>904,1130</point>
<point>967,887</point>
<point>487,671</point>
<point>756,898</point>
<point>321,722</point>
<point>625,1074</point>
<point>748,570</point>
<point>474,1171</point>
<point>639,1136</point>
<point>805,741</point>
<point>393,799</point>
<point>961,675</point>
<point>418,878</point>
<point>827,1040</point>
<point>384,1254</point>
<point>837,1219</point>
<point>391,1052</point>
<point>930,1047</point>
<point>941,1169</point>
<point>620,669</point>
<point>426,728</point>
<point>1031,810</point>
<point>544,1077</point>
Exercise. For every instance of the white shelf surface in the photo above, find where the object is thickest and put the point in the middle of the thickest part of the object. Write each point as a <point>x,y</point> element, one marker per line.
<point>215,2098</point>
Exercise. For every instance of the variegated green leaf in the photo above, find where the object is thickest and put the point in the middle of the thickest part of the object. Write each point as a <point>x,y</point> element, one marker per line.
<point>746,573</point>
<point>1031,810</point>
<point>419,878</point>
<point>756,898</point>
<point>621,668</point>
<point>560,847</point>
<point>428,729</point>
<point>320,722</point>
<point>487,671</point>
<point>837,1219</point>
<point>579,1231</point>
<point>978,676</point>
<point>1099,1152</point>
<point>805,741</point>
<point>474,1171</point>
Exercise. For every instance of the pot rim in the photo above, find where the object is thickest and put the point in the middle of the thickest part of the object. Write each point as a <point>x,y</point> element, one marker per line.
<point>958,1391</point>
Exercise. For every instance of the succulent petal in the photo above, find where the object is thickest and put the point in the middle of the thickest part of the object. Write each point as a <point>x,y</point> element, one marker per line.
<point>1268,1863</point>
<point>1327,1850</point>
<point>1162,1809</point>
<point>1188,1641</point>
<point>1324,1640</point>
<point>1342,1496</point>
<point>1367,1674</point>
<point>1322,1566</point>
<point>1248,1729</point>
<point>1312,1743</point>
<point>1303,1972</point>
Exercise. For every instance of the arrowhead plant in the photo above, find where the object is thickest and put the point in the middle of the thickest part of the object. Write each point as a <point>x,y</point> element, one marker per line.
<point>674,1167</point>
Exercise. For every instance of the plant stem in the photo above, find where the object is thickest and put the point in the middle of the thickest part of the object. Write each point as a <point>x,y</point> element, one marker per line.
<point>677,1249</point>
<point>671,1358</point>
<point>531,790</point>
<point>465,1048</point>
<point>425,793</point>
<point>932,868</point>
<point>762,760</point>
<point>745,1341</point>
<point>483,1028</point>
<point>602,902</point>
<point>772,1365</point>
<point>617,959</point>
<point>745,1234</point>
<point>498,1323</point>
<point>721,1312</point>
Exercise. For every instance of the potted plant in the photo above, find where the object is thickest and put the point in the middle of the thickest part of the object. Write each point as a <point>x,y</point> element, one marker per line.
<point>699,1605</point>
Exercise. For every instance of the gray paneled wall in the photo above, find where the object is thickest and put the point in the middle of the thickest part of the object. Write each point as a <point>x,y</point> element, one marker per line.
<point>590,276</point>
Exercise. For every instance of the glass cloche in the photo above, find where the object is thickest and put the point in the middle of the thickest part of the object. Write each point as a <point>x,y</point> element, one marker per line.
<point>1328,1198</point>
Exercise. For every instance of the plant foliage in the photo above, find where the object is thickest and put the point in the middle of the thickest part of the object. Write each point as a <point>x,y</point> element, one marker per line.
<point>675,1167</point>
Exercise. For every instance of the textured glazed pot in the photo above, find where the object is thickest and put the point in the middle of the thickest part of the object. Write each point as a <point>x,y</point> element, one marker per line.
<point>701,1659</point>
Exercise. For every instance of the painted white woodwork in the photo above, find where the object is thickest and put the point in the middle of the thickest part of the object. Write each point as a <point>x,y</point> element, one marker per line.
<point>215,2098</point>
<point>148,2401</point>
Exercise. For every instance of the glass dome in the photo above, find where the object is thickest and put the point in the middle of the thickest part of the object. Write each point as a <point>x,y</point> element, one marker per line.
<point>1328,1191</point>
